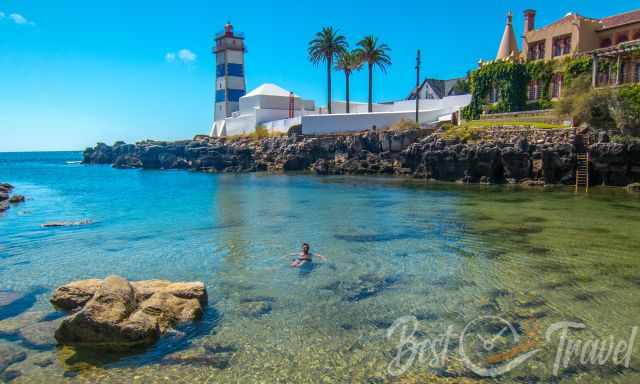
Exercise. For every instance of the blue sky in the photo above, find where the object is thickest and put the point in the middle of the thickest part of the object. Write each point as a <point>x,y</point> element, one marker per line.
<point>76,72</point>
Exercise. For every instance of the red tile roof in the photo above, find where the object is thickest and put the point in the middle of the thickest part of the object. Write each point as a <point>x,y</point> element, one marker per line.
<point>620,20</point>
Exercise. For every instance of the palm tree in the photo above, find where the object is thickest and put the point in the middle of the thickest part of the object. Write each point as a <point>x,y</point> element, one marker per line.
<point>374,54</point>
<point>347,63</point>
<point>325,47</point>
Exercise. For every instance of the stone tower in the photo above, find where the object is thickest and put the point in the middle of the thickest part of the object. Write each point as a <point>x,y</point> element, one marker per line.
<point>230,83</point>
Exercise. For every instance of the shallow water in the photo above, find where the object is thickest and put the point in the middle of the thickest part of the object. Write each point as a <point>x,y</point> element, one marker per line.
<point>445,254</point>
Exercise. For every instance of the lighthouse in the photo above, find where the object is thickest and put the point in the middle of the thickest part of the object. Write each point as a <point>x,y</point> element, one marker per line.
<point>230,84</point>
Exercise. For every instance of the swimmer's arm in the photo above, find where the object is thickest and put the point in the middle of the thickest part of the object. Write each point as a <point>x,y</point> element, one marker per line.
<point>321,257</point>
<point>289,255</point>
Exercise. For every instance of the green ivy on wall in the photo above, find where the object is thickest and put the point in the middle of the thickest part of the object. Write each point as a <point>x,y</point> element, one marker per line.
<point>511,79</point>
<point>508,78</point>
<point>577,66</point>
<point>542,72</point>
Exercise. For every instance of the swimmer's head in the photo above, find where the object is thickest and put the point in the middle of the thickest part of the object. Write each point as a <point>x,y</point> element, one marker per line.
<point>305,247</point>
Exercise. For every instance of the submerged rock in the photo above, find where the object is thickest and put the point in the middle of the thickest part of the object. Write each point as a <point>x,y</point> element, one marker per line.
<point>121,314</point>
<point>40,335</point>
<point>366,286</point>
<point>255,309</point>
<point>53,224</point>
<point>10,355</point>
<point>200,356</point>
<point>15,199</point>
<point>14,303</point>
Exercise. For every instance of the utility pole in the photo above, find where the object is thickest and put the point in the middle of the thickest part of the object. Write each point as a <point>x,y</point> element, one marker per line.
<point>417,87</point>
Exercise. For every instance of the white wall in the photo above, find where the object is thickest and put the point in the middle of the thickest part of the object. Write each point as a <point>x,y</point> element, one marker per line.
<point>282,125</point>
<point>240,125</point>
<point>248,103</point>
<point>235,57</point>
<point>455,102</point>
<point>353,122</point>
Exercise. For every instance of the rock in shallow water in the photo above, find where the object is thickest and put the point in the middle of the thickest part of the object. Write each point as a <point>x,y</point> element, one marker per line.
<point>66,223</point>
<point>10,355</point>
<point>75,294</point>
<point>120,314</point>
<point>15,199</point>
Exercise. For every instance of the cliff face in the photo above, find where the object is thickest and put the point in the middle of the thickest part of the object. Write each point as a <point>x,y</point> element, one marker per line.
<point>406,153</point>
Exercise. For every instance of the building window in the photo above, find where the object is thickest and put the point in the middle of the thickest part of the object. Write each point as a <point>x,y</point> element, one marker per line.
<point>541,50</point>
<point>493,95</point>
<point>534,90</point>
<point>622,38</point>
<point>536,50</point>
<point>561,45</point>
<point>556,85</point>
<point>604,43</point>
<point>566,45</point>
<point>556,48</point>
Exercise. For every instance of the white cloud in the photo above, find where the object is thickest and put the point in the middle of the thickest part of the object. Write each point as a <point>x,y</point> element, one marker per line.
<point>19,19</point>
<point>184,55</point>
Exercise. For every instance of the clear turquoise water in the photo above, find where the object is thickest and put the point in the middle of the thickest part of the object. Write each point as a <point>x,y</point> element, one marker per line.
<point>445,253</point>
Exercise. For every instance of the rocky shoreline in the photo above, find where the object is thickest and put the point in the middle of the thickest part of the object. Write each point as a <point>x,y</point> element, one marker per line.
<point>518,158</point>
<point>6,199</point>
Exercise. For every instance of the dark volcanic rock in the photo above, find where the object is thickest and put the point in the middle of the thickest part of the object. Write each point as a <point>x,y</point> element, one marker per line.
<point>5,187</point>
<point>610,163</point>
<point>15,199</point>
<point>516,164</point>
<point>127,161</point>
<point>546,158</point>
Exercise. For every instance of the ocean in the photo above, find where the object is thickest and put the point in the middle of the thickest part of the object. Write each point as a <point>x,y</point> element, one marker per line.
<point>448,256</point>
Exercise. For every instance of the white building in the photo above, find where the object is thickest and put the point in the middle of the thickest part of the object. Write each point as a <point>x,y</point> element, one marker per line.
<point>383,115</point>
<point>268,105</point>
<point>278,110</point>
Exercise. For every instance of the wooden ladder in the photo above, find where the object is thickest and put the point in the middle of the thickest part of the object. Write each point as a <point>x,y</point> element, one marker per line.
<point>582,171</point>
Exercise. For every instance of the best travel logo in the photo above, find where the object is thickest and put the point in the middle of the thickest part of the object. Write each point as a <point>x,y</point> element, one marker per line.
<point>491,346</point>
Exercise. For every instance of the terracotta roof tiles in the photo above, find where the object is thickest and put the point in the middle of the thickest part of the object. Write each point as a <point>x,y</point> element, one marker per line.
<point>621,19</point>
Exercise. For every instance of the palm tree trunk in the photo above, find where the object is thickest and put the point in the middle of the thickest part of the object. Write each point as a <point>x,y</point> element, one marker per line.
<point>346,75</point>
<point>329,85</point>
<point>370,88</point>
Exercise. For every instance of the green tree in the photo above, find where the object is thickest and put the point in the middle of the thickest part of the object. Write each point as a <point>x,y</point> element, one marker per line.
<point>327,46</point>
<point>375,54</point>
<point>348,62</point>
<point>626,109</point>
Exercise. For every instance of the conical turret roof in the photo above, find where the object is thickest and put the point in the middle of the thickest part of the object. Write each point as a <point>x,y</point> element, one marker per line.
<point>508,44</point>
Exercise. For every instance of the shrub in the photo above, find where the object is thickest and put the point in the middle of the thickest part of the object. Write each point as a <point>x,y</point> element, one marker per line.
<point>623,139</point>
<point>404,125</point>
<point>539,105</point>
<point>626,109</point>
<point>463,133</point>
<point>586,105</point>
<point>261,132</point>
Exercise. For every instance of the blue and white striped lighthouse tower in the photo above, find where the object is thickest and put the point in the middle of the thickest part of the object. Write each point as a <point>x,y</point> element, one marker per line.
<point>230,82</point>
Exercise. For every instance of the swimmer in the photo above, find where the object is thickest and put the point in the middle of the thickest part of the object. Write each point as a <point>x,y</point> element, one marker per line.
<point>305,256</point>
